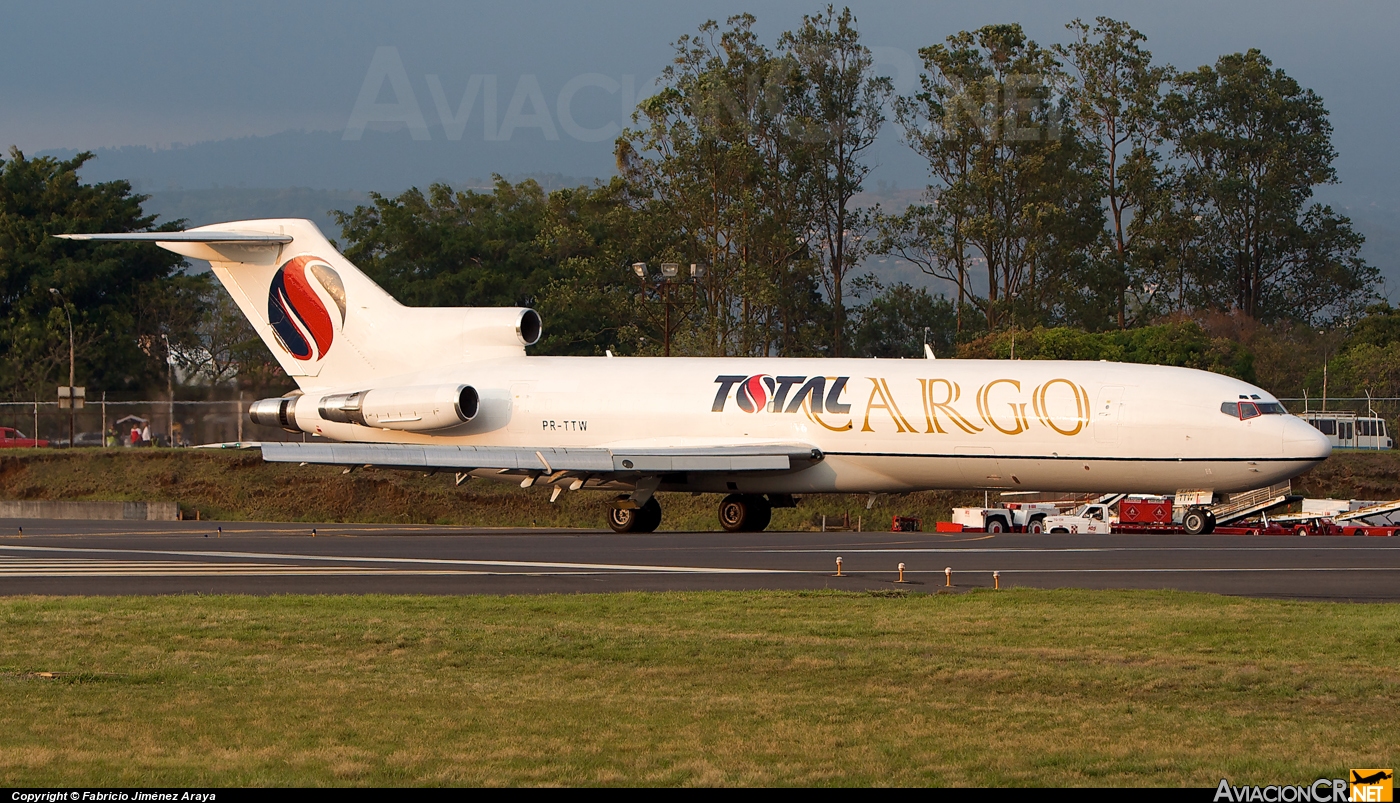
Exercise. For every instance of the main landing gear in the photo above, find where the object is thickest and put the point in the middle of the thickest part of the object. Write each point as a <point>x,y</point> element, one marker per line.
<point>644,519</point>
<point>744,513</point>
<point>738,513</point>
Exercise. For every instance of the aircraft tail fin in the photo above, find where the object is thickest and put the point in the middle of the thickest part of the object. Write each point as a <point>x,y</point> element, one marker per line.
<point>326,322</point>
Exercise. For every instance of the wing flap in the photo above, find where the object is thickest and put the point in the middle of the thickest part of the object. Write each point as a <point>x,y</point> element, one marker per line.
<point>780,457</point>
<point>685,462</point>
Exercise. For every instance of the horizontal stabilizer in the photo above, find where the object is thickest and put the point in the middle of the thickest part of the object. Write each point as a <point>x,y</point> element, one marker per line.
<point>184,237</point>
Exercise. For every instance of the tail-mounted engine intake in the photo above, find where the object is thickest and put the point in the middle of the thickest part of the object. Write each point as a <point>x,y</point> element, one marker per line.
<point>411,409</point>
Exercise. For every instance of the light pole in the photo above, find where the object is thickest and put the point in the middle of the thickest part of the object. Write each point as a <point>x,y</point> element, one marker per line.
<point>169,391</point>
<point>1325,355</point>
<point>670,275</point>
<point>72,362</point>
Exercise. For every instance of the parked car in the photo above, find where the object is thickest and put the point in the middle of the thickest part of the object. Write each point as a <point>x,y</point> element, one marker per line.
<point>11,438</point>
<point>88,439</point>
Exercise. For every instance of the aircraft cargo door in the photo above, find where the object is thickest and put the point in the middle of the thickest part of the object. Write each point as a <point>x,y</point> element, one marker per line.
<point>1108,413</point>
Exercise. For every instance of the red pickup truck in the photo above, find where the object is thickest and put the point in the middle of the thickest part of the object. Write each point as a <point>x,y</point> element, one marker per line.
<point>14,439</point>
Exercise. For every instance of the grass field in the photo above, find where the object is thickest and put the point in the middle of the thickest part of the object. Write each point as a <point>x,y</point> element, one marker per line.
<point>238,485</point>
<point>986,688</point>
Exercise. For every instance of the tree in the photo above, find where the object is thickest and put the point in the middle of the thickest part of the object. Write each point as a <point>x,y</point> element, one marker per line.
<point>931,236</point>
<point>214,345</point>
<point>836,110</point>
<point>1180,343</point>
<point>1010,193</point>
<point>566,253</point>
<point>452,248</point>
<point>119,294</point>
<point>1252,143</point>
<point>591,236</point>
<point>716,163</point>
<point>1114,101</point>
<point>896,320</point>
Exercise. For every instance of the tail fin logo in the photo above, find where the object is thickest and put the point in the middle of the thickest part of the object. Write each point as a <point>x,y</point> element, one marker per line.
<point>297,307</point>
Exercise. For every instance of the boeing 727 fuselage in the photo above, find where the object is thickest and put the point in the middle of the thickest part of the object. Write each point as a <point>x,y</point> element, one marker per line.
<point>453,389</point>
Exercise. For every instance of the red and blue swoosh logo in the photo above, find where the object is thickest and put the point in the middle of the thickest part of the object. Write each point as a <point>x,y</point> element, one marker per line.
<point>297,314</point>
<point>752,394</point>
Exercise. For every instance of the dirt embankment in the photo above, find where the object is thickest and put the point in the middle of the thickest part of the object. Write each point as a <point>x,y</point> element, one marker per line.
<point>238,485</point>
<point>1354,475</point>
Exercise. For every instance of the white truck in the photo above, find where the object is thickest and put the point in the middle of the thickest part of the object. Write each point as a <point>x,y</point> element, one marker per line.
<point>1093,519</point>
<point>1025,517</point>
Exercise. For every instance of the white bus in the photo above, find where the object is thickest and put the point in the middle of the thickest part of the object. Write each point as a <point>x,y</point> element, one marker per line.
<point>1349,430</point>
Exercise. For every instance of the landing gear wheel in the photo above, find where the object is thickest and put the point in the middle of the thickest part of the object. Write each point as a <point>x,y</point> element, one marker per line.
<point>744,513</point>
<point>644,519</point>
<point>1196,521</point>
<point>762,515</point>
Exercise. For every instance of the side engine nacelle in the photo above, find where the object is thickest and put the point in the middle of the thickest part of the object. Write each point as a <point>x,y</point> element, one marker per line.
<point>422,408</point>
<point>276,413</point>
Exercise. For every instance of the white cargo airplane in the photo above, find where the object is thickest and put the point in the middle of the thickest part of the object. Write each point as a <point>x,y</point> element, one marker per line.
<point>452,389</point>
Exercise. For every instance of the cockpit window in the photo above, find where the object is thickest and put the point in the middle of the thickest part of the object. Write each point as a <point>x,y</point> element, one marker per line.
<point>1250,409</point>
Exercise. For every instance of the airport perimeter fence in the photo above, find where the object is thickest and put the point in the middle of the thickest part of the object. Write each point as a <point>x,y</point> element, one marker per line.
<point>1387,407</point>
<point>110,423</point>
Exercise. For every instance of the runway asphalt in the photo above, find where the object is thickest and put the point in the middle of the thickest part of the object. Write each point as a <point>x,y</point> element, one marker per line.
<point>107,557</point>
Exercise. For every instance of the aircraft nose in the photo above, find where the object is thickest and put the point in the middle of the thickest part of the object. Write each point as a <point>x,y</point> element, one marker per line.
<point>1302,441</point>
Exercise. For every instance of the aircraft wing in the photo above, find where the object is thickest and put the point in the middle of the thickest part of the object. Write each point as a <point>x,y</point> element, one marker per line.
<point>516,459</point>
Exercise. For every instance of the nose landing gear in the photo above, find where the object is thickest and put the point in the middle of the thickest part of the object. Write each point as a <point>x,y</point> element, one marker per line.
<point>1198,520</point>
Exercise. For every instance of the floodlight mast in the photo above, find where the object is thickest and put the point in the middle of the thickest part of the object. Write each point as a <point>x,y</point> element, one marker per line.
<point>670,273</point>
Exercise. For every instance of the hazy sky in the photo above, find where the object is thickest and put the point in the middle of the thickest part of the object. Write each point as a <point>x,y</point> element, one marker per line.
<point>100,74</point>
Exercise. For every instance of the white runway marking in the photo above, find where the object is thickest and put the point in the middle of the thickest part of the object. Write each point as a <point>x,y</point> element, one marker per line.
<point>1188,569</point>
<point>1055,551</point>
<point>596,567</point>
<point>238,565</point>
<point>96,568</point>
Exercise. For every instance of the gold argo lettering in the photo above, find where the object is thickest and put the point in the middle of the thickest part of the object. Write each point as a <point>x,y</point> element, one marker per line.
<point>1042,406</point>
<point>813,415</point>
<point>882,389</point>
<point>1018,410</point>
<point>931,408</point>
